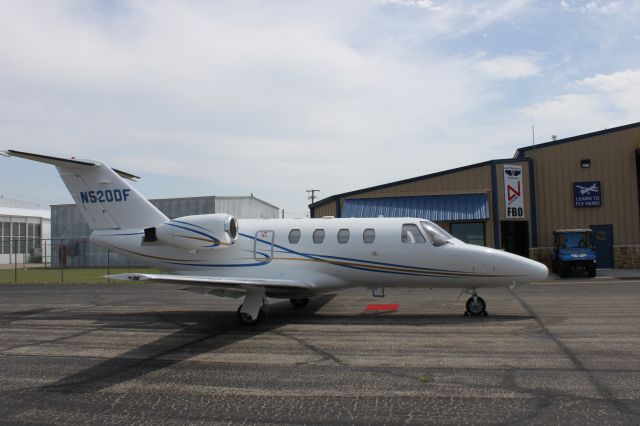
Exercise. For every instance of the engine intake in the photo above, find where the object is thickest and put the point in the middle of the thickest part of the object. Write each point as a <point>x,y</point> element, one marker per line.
<point>206,231</point>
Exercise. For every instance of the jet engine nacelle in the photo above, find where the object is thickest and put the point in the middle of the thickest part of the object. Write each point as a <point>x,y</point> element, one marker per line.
<point>205,231</point>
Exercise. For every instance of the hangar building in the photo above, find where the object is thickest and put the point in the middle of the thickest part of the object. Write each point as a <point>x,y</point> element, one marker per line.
<point>70,233</point>
<point>515,204</point>
<point>24,229</point>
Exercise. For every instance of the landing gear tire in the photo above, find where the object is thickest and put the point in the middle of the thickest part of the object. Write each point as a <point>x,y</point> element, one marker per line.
<point>299,302</point>
<point>476,306</point>
<point>591,270</point>
<point>246,319</point>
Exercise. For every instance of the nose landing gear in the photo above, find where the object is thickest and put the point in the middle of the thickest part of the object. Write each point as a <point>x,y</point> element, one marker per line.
<point>476,306</point>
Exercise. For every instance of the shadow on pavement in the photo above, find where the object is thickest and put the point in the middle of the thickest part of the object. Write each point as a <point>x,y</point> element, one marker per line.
<point>198,333</point>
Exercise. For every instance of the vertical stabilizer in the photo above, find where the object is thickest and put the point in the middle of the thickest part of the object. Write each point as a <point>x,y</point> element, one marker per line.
<point>105,199</point>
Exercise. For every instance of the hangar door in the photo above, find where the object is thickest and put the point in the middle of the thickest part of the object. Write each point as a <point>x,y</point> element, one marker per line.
<point>459,207</point>
<point>515,237</point>
<point>603,240</point>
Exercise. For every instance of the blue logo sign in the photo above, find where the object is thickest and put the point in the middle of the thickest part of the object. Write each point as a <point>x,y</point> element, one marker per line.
<point>587,194</point>
<point>108,196</point>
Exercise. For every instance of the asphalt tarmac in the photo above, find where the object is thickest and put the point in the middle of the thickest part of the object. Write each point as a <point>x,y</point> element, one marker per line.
<point>559,352</point>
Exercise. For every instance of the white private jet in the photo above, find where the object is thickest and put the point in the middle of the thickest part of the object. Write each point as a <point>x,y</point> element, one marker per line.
<point>584,190</point>
<point>292,259</point>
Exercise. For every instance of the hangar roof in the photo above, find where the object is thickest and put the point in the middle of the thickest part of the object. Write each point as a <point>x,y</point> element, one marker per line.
<point>18,212</point>
<point>410,180</point>
<point>398,182</point>
<point>520,152</point>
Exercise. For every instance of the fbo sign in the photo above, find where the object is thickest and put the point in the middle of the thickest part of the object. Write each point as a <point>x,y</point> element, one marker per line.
<point>513,192</point>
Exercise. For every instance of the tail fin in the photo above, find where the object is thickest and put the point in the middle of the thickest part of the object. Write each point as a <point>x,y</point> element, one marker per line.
<point>104,198</point>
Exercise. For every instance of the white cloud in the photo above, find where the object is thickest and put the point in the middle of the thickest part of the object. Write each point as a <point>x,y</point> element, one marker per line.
<point>510,67</point>
<point>459,17</point>
<point>604,100</point>
<point>488,13</point>
<point>424,4</point>
<point>245,103</point>
<point>595,7</point>
<point>275,98</point>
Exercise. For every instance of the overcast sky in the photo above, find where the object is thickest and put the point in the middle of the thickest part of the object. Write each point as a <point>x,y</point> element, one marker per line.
<point>277,97</point>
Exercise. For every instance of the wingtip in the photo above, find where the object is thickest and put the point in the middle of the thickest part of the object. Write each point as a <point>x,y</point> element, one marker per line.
<point>123,277</point>
<point>5,153</point>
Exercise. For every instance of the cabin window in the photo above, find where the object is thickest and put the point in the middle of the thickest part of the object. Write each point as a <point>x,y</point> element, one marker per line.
<point>437,235</point>
<point>294,236</point>
<point>343,236</point>
<point>369,236</point>
<point>411,234</point>
<point>318,236</point>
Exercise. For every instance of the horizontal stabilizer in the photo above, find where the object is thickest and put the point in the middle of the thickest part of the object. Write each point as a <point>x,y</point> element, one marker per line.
<point>63,162</point>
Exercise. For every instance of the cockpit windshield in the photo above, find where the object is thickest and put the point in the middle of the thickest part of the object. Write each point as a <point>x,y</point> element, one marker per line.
<point>437,235</point>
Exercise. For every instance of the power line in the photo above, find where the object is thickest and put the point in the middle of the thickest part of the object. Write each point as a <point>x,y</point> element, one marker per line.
<point>312,195</point>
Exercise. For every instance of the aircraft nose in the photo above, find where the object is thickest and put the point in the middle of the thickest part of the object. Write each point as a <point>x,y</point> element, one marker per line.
<point>536,271</point>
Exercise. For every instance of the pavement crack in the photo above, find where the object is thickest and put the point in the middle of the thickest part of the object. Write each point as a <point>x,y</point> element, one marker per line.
<point>324,354</point>
<point>602,389</point>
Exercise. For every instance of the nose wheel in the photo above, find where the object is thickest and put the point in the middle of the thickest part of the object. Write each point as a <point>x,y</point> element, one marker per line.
<point>476,306</point>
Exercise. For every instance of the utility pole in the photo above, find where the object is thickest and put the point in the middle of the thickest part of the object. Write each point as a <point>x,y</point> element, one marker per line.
<point>312,195</point>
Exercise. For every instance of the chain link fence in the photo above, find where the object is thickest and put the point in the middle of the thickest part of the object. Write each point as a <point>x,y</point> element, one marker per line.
<point>63,260</point>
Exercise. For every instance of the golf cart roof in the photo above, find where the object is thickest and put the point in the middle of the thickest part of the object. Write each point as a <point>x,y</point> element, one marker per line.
<point>571,231</point>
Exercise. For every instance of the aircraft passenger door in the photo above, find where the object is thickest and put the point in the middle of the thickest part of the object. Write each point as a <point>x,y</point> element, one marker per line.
<point>263,245</point>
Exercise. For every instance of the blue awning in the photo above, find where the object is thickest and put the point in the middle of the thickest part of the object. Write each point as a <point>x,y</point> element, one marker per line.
<point>431,207</point>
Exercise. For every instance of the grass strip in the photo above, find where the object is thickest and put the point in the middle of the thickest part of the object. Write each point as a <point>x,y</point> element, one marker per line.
<point>66,276</point>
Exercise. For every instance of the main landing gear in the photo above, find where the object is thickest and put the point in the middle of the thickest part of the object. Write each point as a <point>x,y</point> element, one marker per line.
<point>248,320</point>
<point>253,308</point>
<point>476,306</point>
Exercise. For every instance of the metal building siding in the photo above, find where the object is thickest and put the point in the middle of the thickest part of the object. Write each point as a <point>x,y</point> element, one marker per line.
<point>328,209</point>
<point>612,158</point>
<point>176,207</point>
<point>246,208</point>
<point>432,207</point>
<point>476,179</point>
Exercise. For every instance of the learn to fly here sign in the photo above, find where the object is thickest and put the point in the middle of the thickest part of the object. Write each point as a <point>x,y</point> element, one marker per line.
<point>513,192</point>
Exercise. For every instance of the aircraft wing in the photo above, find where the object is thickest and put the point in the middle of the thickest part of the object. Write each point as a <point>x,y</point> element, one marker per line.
<point>234,285</point>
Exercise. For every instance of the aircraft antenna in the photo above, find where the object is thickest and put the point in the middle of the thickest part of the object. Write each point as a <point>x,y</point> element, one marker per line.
<point>533,136</point>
